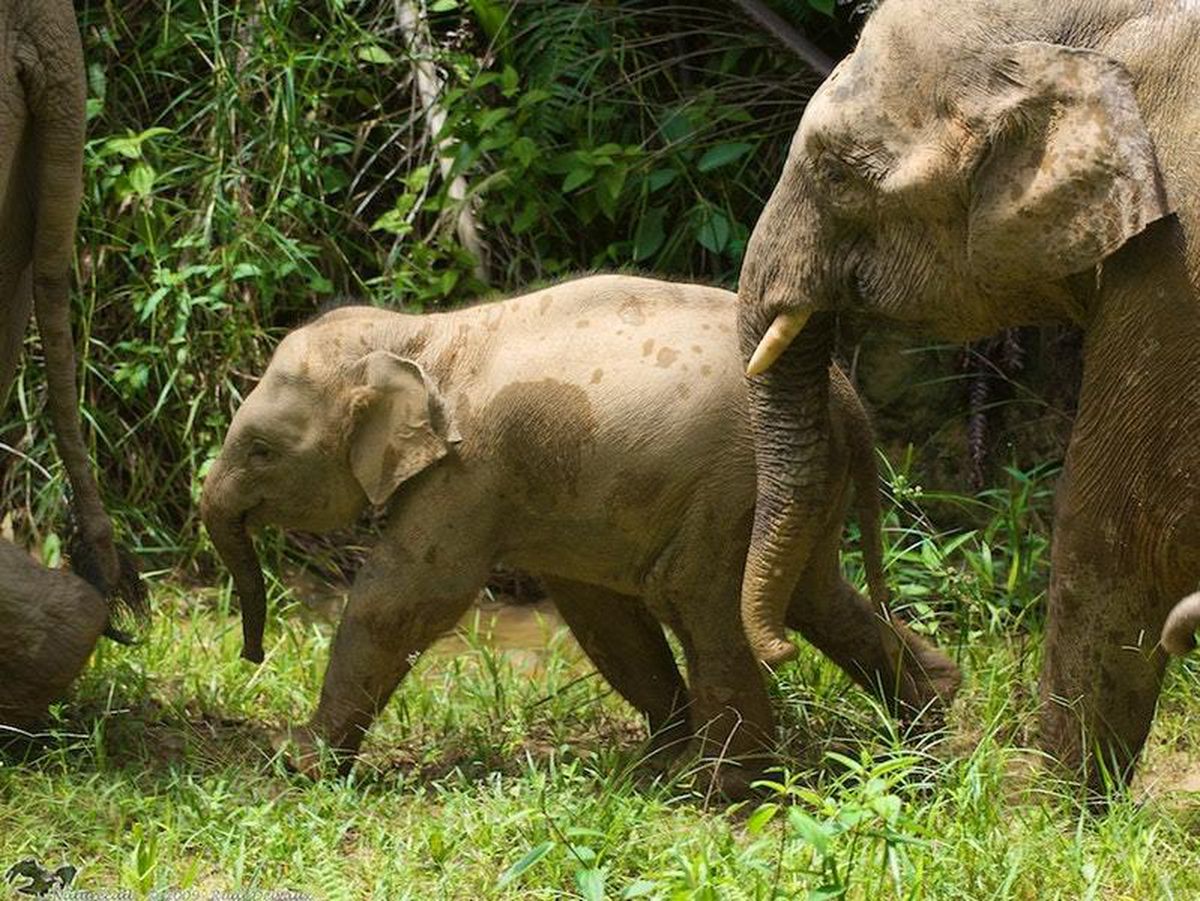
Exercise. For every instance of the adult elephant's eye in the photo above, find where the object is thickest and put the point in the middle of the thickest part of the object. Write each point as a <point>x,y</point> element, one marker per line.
<point>837,173</point>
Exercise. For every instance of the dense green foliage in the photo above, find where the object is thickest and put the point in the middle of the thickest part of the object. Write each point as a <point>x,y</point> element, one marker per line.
<point>249,161</point>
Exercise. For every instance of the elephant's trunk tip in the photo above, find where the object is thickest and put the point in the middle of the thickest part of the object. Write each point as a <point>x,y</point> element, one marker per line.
<point>773,652</point>
<point>253,651</point>
<point>1179,631</point>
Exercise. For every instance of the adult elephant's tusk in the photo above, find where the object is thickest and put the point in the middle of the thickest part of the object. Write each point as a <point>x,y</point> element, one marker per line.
<point>776,340</point>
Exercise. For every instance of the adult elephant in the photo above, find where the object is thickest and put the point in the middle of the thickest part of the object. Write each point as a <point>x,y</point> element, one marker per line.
<point>42,98</point>
<point>976,166</point>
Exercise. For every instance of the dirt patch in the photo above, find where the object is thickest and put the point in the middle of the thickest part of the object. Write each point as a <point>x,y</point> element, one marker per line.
<point>1166,773</point>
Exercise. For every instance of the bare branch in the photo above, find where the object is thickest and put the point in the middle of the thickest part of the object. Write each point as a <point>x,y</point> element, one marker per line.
<point>788,36</point>
<point>411,19</point>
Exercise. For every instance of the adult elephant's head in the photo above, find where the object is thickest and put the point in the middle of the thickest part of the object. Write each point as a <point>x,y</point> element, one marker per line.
<point>319,437</point>
<point>952,175</point>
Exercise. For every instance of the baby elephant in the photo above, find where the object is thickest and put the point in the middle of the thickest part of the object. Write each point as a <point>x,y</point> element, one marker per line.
<point>50,620</point>
<point>592,433</point>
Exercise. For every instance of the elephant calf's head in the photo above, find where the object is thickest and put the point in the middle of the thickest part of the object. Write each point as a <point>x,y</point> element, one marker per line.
<point>321,435</point>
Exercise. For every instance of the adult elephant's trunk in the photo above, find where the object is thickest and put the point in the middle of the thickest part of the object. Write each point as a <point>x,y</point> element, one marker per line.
<point>789,414</point>
<point>226,524</point>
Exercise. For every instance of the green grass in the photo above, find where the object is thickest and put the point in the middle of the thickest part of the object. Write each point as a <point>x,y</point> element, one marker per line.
<point>500,775</point>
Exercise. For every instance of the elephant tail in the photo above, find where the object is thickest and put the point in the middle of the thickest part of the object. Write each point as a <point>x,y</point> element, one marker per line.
<point>128,601</point>
<point>860,441</point>
<point>1179,631</point>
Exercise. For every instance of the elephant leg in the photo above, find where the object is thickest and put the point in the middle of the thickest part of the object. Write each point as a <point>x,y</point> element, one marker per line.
<point>730,711</point>
<point>16,303</point>
<point>50,621</point>
<point>627,645</point>
<point>1102,672</point>
<point>398,607</point>
<point>843,625</point>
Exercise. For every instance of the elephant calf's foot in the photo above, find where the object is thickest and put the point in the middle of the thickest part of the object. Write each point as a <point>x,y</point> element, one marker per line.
<point>929,680</point>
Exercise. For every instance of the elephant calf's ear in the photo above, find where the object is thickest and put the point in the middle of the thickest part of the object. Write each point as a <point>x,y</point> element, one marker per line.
<point>1069,173</point>
<point>393,434</point>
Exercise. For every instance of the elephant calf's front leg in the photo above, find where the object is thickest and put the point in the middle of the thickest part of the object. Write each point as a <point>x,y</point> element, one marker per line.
<point>397,608</point>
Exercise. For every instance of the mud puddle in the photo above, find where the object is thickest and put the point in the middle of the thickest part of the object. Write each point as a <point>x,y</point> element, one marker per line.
<point>524,630</point>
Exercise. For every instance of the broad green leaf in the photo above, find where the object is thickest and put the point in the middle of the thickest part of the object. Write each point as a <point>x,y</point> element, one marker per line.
<point>373,53</point>
<point>443,6</point>
<point>649,235</point>
<point>722,155</point>
<point>660,178</point>
<point>759,819</point>
<point>811,832</point>
<point>141,179</point>
<point>490,15</point>
<point>713,231</point>
<point>638,889</point>
<point>590,884</point>
<point>577,177</point>
<point>532,856</point>
<point>246,270</point>
<point>825,7</point>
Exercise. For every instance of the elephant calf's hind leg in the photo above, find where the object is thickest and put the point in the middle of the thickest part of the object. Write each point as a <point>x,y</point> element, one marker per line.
<point>627,645</point>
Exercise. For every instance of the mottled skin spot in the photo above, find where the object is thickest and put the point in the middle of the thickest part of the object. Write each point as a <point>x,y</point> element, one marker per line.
<point>631,311</point>
<point>545,302</point>
<point>636,490</point>
<point>648,347</point>
<point>539,431</point>
<point>666,356</point>
<point>706,370</point>
<point>597,376</point>
<point>582,323</point>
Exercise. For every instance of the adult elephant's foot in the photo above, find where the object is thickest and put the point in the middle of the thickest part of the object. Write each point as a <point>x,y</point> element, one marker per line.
<point>1101,675</point>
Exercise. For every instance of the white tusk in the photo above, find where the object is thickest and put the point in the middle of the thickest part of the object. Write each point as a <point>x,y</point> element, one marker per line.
<point>785,327</point>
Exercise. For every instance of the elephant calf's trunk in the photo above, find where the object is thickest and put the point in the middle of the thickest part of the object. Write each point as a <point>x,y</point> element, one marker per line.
<point>236,550</point>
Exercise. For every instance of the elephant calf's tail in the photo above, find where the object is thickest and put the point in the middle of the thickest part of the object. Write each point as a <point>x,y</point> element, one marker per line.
<point>1179,631</point>
<point>865,475</point>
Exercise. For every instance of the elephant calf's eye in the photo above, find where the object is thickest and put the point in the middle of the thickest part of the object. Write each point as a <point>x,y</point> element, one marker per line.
<point>260,451</point>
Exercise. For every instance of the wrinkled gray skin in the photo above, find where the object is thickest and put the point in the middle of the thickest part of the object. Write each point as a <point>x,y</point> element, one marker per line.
<point>591,433</point>
<point>976,166</point>
<point>49,622</point>
<point>42,98</point>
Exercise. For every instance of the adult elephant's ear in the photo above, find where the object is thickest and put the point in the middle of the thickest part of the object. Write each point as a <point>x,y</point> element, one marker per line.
<point>1067,171</point>
<point>399,425</point>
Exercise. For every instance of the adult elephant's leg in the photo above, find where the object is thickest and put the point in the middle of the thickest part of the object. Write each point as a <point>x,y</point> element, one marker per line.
<point>730,711</point>
<point>1102,671</point>
<point>57,132</point>
<point>16,302</point>
<point>627,645</point>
